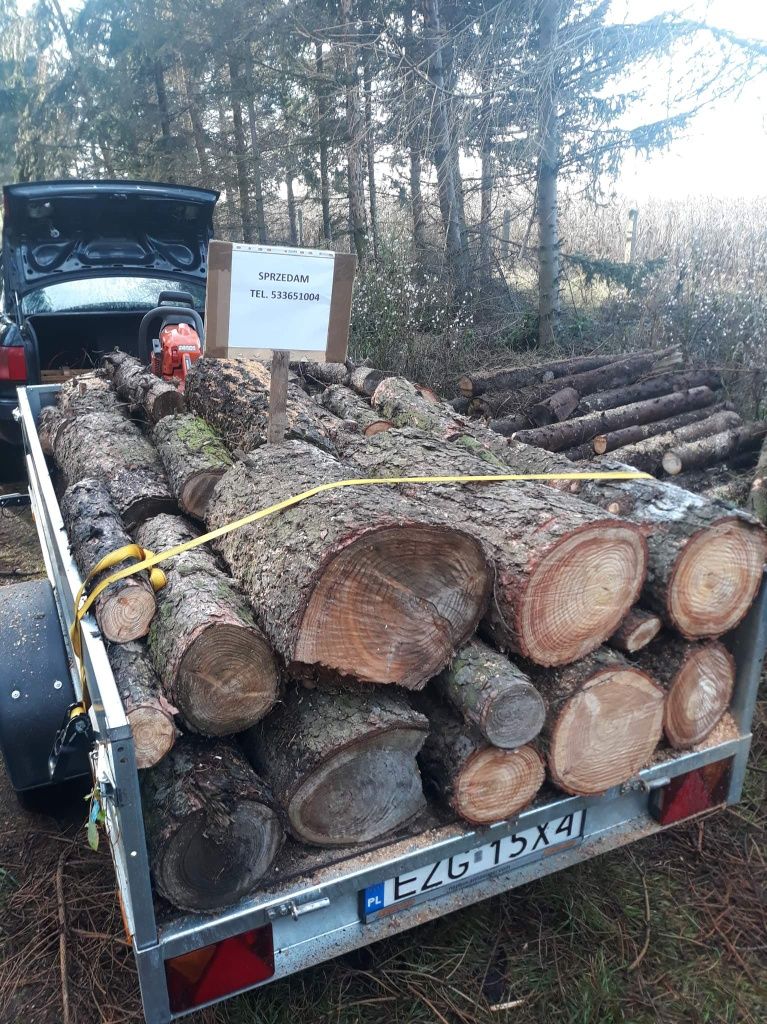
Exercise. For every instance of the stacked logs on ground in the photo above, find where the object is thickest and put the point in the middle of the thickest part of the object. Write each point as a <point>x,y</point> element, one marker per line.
<point>640,432</point>
<point>708,450</point>
<point>142,389</point>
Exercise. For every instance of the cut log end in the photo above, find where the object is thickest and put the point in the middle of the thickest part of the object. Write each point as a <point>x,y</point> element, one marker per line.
<point>195,493</point>
<point>344,800</point>
<point>698,695</point>
<point>580,591</point>
<point>154,733</point>
<point>227,679</point>
<point>377,427</point>
<point>495,784</point>
<point>715,579</point>
<point>606,732</point>
<point>636,631</point>
<point>126,614</point>
<point>394,604</point>
<point>514,717</point>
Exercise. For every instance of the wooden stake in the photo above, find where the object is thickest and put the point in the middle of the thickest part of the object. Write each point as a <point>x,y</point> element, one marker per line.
<point>278,398</point>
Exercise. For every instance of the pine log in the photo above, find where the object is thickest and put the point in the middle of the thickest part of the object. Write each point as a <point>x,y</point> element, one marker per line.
<point>341,762</point>
<point>509,425</point>
<point>560,406</point>
<point>233,396</point>
<point>321,373</point>
<point>194,457</point>
<point>757,496</point>
<point>361,582</point>
<point>109,448</point>
<point>558,436</point>
<point>211,826</point>
<point>709,450</point>
<point>698,679</point>
<point>49,422</point>
<point>149,714</point>
<point>706,557</point>
<point>460,405</point>
<point>214,662</point>
<point>648,455</point>
<point>141,388</point>
<point>480,782</point>
<point>493,695</point>
<point>89,392</point>
<point>124,609</point>
<point>636,631</point>
<point>653,387</point>
<point>509,378</point>
<point>564,577</point>
<point>365,380</point>
<point>616,439</point>
<point>348,405</point>
<point>605,718</point>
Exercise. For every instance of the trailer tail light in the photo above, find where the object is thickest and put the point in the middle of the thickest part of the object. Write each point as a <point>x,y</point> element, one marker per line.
<point>213,972</point>
<point>13,363</point>
<point>690,794</point>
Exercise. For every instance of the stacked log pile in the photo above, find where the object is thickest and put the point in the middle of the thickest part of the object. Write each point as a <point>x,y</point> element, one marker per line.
<point>325,671</point>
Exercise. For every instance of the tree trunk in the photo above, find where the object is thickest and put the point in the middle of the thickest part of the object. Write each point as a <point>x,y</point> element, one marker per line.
<point>348,406</point>
<point>631,440</point>
<point>341,763</point>
<point>494,696</point>
<point>292,222</point>
<point>365,380</point>
<point>698,679</point>
<point>111,449</point>
<point>559,407</point>
<point>413,134</point>
<point>255,159</point>
<point>125,609</point>
<point>162,99</point>
<point>557,436</point>
<point>481,783</point>
<point>369,585</point>
<point>149,714</point>
<point>757,496</point>
<point>322,130</point>
<point>706,558</point>
<point>486,201</point>
<point>548,170</point>
<point>513,378</point>
<point>198,131</point>
<point>663,384</point>
<point>212,831</point>
<point>141,388</point>
<point>708,450</point>
<point>636,631</point>
<point>367,77</point>
<point>648,455</point>
<point>564,577</point>
<point>605,718</point>
<point>240,154</point>
<point>355,131</point>
<point>214,662</point>
<point>195,459</point>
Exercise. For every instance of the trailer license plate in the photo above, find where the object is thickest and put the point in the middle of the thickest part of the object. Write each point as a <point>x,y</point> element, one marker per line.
<point>420,884</point>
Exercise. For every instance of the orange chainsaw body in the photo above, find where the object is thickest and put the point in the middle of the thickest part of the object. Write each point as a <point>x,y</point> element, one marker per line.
<point>180,347</point>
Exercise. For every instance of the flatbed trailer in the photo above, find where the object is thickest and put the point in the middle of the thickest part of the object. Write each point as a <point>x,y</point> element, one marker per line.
<point>317,904</point>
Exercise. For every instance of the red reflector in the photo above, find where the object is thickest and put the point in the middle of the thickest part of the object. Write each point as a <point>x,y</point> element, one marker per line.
<point>693,793</point>
<point>13,363</point>
<point>213,972</point>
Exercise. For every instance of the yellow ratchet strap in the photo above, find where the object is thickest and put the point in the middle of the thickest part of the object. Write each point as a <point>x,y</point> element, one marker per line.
<point>147,560</point>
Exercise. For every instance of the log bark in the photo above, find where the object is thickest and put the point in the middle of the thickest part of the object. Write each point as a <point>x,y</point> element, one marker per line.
<point>211,826</point>
<point>709,450</point>
<point>706,557</point>
<point>89,392</point>
<point>364,380</point>
<point>663,384</point>
<point>50,420</point>
<point>564,577</point>
<point>321,373</point>
<point>604,443</point>
<point>560,406</point>
<point>341,763</point>
<point>141,388</point>
<point>348,405</point>
<point>215,664</point>
<point>605,718</point>
<point>513,378</point>
<point>233,396</point>
<point>757,495</point>
<point>111,449</point>
<point>698,679</point>
<point>558,436</point>
<point>149,714</point>
<point>124,609</point>
<point>194,458</point>
<point>480,782</point>
<point>493,695</point>
<point>648,455</point>
<point>460,405</point>
<point>509,425</point>
<point>363,583</point>
<point>636,631</point>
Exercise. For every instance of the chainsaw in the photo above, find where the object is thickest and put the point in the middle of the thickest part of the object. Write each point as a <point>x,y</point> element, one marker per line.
<point>171,337</point>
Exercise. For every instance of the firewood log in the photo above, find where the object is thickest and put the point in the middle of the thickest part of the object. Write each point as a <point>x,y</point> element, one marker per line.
<point>321,373</point>
<point>616,439</point>
<point>211,825</point>
<point>480,782</point>
<point>715,448</point>
<point>558,407</point>
<point>365,380</point>
<point>493,695</point>
<point>636,631</point>
<point>516,377</point>
<point>141,388</point>
<point>348,405</point>
<point>653,387</point>
<point>341,763</point>
<point>215,664</point>
<point>699,680</point>
<point>361,582</point>
<point>605,718</point>
<point>648,455</point>
<point>194,457</point>
<point>149,714</point>
<point>87,393</point>
<point>50,420</point>
<point>124,609</point>
<point>509,425</point>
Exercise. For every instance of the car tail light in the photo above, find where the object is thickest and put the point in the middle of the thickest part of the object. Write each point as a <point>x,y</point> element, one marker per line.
<point>13,363</point>
<point>213,972</point>
<point>690,794</point>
